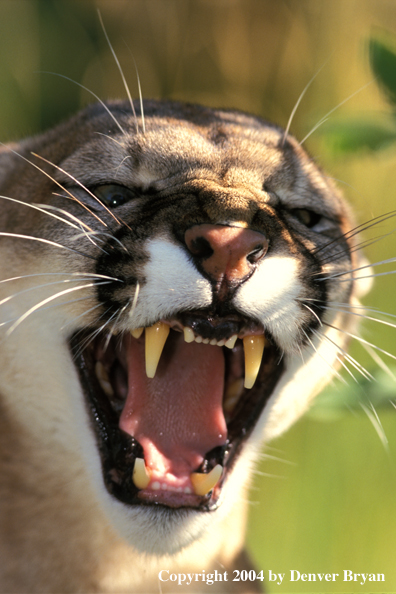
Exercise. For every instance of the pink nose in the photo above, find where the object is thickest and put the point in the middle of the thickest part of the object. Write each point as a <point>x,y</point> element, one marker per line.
<point>225,252</point>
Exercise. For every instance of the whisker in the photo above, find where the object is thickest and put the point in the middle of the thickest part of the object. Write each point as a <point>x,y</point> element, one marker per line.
<point>312,312</point>
<point>323,359</point>
<point>48,300</point>
<point>305,89</point>
<point>361,340</point>
<point>366,317</point>
<point>121,311</point>
<point>42,208</point>
<point>53,179</point>
<point>135,299</point>
<point>74,280</point>
<point>73,321</point>
<point>358,229</point>
<point>326,116</point>
<point>120,71</point>
<point>377,359</point>
<point>81,186</point>
<point>364,267</point>
<point>84,274</point>
<point>346,280</point>
<point>79,222</point>
<point>376,423</point>
<point>47,241</point>
<point>103,104</point>
<point>362,245</point>
<point>362,370</point>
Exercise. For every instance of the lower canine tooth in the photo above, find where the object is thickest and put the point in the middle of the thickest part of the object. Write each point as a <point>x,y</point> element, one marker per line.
<point>141,476</point>
<point>156,337</point>
<point>254,349</point>
<point>137,332</point>
<point>203,483</point>
<point>232,395</point>
<point>103,378</point>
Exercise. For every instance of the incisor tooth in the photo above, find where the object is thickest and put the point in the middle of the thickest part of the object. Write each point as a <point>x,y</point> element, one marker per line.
<point>254,348</point>
<point>230,343</point>
<point>188,334</point>
<point>156,337</point>
<point>203,483</point>
<point>141,476</point>
<point>137,332</point>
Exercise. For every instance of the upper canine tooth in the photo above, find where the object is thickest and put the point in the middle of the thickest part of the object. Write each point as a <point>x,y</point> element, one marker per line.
<point>188,334</point>
<point>203,483</point>
<point>137,332</point>
<point>156,337</point>
<point>230,343</point>
<point>254,348</point>
<point>141,476</point>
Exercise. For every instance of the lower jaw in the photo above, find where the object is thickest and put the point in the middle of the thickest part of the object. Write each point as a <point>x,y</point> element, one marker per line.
<point>119,450</point>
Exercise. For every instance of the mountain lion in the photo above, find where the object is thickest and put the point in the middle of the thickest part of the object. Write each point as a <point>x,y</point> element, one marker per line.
<point>169,295</point>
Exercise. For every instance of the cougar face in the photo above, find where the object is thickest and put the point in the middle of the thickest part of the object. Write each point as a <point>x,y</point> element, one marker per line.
<point>166,295</point>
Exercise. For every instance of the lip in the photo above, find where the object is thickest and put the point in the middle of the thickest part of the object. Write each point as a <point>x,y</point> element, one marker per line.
<point>119,449</point>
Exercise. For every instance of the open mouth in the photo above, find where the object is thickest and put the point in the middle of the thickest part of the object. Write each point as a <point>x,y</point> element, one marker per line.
<point>172,405</point>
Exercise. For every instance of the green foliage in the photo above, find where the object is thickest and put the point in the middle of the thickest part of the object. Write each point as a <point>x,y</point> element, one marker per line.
<point>372,132</point>
<point>364,394</point>
<point>382,51</point>
<point>376,131</point>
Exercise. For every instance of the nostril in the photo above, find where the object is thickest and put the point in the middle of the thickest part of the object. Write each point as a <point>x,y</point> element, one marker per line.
<point>257,253</point>
<point>200,247</point>
<point>226,253</point>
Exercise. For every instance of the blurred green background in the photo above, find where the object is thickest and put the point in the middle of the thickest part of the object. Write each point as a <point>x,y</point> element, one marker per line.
<point>325,499</point>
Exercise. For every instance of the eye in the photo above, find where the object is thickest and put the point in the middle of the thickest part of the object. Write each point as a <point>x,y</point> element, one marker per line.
<point>112,195</point>
<point>309,218</point>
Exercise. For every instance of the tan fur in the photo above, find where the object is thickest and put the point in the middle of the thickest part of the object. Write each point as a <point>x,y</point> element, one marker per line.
<point>59,529</point>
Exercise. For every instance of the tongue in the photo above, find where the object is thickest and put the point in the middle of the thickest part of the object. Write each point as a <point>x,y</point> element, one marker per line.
<point>177,417</point>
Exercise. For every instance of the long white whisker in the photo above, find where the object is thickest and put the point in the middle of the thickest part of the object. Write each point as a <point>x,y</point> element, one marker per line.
<point>73,321</point>
<point>100,234</point>
<point>305,89</point>
<point>362,370</point>
<point>103,104</point>
<point>364,267</point>
<point>48,300</point>
<point>114,325</point>
<point>54,180</point>
<point>377,359</point>
<point>375,421</point>
<point>79,222</point>
<point>366,317</point>
<point>135,299</point>
<point>47,241</point>
<point>41,208</point>
<point>81,186</point>
<point>79,274</point>
<point>345,280</point>
<point>323,359</point>
<point>326,116</point>
<point>361,340</point>
<point>359,229</point>
<point>120,71</point>
<point>36,287</point>
<point>312,312</point>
